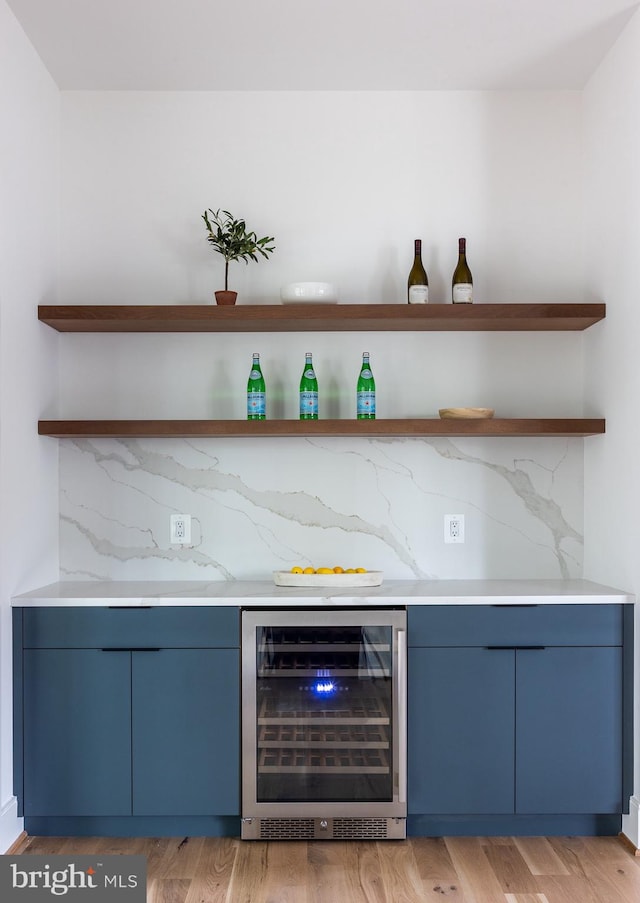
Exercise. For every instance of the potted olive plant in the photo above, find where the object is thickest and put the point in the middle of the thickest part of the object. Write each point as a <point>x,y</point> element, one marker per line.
<point>229,237</point>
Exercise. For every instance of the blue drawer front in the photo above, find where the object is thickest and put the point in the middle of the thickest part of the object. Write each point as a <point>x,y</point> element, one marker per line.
<point>505,625</point>
<point>173,627</point>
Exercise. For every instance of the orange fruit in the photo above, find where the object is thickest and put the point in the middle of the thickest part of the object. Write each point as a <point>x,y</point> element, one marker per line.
<point>338,570</point>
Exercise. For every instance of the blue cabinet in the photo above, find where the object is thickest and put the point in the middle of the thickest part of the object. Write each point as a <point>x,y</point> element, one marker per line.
<point>128,714</point>
<point>569,730</point>
<point>77,732</point>
<point>519,711</point>
<point>461,722</point>
<point>186,732</point>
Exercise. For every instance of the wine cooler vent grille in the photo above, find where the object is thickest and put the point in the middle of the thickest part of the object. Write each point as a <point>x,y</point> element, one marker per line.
<point>287,828</point>
<point>360,828</point>
<point>342,828</point>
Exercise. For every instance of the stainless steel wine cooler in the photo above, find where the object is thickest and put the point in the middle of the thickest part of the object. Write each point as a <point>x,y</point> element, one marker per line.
<point>324,724</point>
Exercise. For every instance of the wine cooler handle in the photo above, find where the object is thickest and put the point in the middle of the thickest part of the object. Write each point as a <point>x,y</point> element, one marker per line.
<point>402,715</point>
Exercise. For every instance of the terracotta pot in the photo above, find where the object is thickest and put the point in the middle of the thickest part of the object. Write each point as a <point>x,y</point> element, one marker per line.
<point>226,297</point>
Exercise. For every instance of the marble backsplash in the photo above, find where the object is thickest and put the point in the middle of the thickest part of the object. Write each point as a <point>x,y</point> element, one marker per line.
<point>267,504</point>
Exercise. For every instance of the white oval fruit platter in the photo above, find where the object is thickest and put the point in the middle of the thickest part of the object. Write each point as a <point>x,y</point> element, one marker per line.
<point>327,577</point>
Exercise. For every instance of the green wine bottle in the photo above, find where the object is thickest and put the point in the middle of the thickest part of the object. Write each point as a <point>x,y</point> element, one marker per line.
<point>418,284</point>
<point>366,391</point>
<point>462,282</point>
<point>256,392</point>
<point>308,391</point>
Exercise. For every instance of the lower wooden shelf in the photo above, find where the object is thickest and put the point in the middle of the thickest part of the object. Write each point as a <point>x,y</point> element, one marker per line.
<point>407,427</point>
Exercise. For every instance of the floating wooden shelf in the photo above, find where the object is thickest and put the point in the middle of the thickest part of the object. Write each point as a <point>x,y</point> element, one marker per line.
<point>407,427</point>
<point>321,317</point>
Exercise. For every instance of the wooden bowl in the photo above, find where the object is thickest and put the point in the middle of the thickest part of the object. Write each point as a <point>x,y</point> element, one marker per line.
<point>465,413</point>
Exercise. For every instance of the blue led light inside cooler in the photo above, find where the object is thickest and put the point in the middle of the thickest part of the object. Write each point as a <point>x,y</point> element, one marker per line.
<point>324,688</point>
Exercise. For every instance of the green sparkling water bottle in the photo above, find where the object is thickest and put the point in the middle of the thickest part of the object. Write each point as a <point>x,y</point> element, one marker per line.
<point>256,392</point>
<point>366,391</point>
<point>308,391</point>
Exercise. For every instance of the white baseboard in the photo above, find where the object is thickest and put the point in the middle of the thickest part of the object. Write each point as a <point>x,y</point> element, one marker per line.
<point>11,827</point>
<point>631,822</point>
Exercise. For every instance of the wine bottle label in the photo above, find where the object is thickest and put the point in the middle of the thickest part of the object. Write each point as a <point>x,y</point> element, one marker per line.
<point>462,293</point>
<point>256,403</point>
<point>308,402</point>
<point>255,374</point>
<point>418,294</point>
<point>366,403</point>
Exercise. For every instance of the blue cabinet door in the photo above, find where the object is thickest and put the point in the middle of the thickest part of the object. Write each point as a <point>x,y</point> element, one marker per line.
<point>186,755</point>
<point>77,738</point>
<point>461,727</point>
<point>569,730</point>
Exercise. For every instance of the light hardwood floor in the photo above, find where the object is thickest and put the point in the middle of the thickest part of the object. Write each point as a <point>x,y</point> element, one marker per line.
<point>420,870</point>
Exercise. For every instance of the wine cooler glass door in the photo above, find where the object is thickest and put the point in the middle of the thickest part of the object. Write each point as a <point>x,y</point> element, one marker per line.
<point>325,723</point>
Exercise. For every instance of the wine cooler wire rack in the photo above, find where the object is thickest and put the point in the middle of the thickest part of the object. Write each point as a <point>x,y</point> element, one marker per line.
<point>364,710</point>
<point>315,671</point>
<point>324,660</point>
<point>312,737</point>
<point>347,761</point>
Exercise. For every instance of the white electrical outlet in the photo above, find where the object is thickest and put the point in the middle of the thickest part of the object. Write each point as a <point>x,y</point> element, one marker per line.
<point>454,528</point>
<point>180,528</point>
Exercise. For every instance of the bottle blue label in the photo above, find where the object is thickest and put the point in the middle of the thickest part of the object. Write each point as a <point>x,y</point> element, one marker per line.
<point>366,403</point>
<point>310,373</point>
<point>308,402</point>
<point>256,403</point>
<point>255,374</point>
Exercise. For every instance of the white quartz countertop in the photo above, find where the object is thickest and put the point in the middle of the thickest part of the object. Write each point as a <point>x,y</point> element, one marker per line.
<point>257,593</point>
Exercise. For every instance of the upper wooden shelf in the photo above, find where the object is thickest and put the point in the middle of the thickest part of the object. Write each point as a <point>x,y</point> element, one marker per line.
<point>407,427</point>
<point>321,317</point>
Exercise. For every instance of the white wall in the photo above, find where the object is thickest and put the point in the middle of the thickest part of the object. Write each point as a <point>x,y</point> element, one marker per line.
<point>344,181</point>
<point>612,187</point>
<point>29,182</point>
